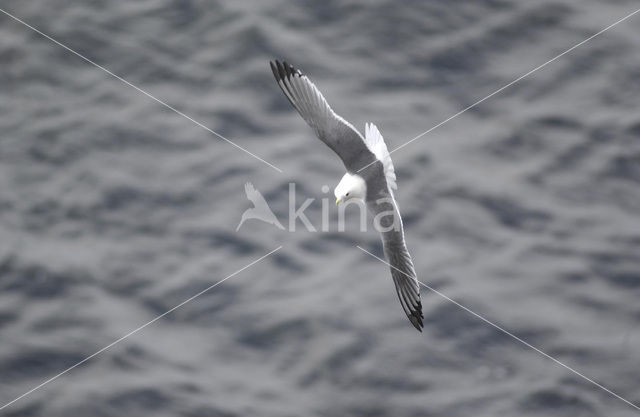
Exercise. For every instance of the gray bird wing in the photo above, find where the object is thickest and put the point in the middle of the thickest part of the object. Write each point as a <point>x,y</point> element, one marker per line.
<point>395,249</point>
<point>333,130</point>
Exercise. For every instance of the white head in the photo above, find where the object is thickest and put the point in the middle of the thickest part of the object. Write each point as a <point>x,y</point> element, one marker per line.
<point>350,186</point>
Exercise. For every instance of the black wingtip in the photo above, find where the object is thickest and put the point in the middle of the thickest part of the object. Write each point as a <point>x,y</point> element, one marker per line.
<point>274,69</point>
<point>416,318</point>
<point>283,70</point>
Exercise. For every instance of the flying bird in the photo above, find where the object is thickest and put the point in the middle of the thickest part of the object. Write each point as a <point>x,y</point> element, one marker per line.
<point>260,210</point>
<point>370,177</point>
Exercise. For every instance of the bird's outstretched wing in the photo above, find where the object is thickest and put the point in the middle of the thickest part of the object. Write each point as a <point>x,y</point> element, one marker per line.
<point>375,142</point>
<point>333,130</point>
<point>404,277</point>
<point>401,265</point>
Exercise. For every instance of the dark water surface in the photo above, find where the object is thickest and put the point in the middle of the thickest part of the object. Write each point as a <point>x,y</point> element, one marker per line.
<point>114,209</point>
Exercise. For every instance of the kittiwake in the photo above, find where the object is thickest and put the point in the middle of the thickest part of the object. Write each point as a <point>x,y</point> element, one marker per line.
<point>370,177</point>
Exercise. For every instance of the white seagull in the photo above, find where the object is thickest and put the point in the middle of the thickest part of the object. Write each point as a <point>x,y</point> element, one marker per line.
<point>370,177</point>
